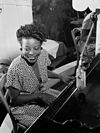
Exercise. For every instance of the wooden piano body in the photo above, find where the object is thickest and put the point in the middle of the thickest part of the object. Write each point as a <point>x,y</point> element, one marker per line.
<point>74,111</point>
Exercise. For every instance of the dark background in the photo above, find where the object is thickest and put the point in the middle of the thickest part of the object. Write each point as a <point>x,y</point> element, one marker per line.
<point>56,16</point>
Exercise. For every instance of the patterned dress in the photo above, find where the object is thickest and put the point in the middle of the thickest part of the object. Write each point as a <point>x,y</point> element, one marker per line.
<point>23,77</point>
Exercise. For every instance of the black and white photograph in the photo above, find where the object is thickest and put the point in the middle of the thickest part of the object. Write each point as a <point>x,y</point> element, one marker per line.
<point>49,66</point>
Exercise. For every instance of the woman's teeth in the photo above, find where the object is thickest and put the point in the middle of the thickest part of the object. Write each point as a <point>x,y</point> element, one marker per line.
<point>32,58</point>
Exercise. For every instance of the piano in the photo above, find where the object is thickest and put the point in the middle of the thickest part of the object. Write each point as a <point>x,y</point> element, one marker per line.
<point>74,111</point>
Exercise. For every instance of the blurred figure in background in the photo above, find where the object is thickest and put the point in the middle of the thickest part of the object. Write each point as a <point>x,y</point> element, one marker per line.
<point>89,52</point>
<point>4,64</point>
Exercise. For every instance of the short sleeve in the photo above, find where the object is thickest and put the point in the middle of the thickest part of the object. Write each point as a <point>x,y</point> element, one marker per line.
<point>45,55</point>
<point>48,62</point>
<point>13,79</point>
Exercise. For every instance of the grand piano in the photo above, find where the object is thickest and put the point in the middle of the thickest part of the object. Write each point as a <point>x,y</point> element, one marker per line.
<point>74,111</point>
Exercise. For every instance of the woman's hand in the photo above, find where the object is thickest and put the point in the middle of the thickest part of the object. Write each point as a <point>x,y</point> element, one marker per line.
<point>46,98</point>
<point>42,87</point>
<point>65,79</point>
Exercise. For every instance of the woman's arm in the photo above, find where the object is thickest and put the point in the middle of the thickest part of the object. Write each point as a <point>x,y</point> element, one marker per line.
<point>53,75</point>
<point>18,98</point>
<point>59,76</point>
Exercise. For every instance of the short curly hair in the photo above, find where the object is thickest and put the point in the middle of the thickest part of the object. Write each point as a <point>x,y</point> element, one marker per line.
<point>34,30</point>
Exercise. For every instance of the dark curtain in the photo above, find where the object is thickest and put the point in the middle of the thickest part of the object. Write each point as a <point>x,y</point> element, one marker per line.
<point>55,15</point>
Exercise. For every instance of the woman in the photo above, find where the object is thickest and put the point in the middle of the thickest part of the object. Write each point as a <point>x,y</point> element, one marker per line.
<point>27,75</point>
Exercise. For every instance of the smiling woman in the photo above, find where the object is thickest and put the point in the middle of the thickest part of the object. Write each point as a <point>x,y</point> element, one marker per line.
<point>31,45</point>
<point>27,75</point>
<point>31,49</point>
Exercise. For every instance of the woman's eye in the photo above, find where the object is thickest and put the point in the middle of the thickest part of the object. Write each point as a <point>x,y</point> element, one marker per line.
<point>27,49</point>
<point>37,48</point>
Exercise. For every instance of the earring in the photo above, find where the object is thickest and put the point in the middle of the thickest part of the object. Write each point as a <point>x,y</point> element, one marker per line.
<point>20,49</point>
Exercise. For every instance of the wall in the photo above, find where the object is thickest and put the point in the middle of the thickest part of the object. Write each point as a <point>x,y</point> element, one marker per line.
<point>14,13</point>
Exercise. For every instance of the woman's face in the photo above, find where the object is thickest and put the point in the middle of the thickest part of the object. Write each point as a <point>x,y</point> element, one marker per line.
<point>31,49</point>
